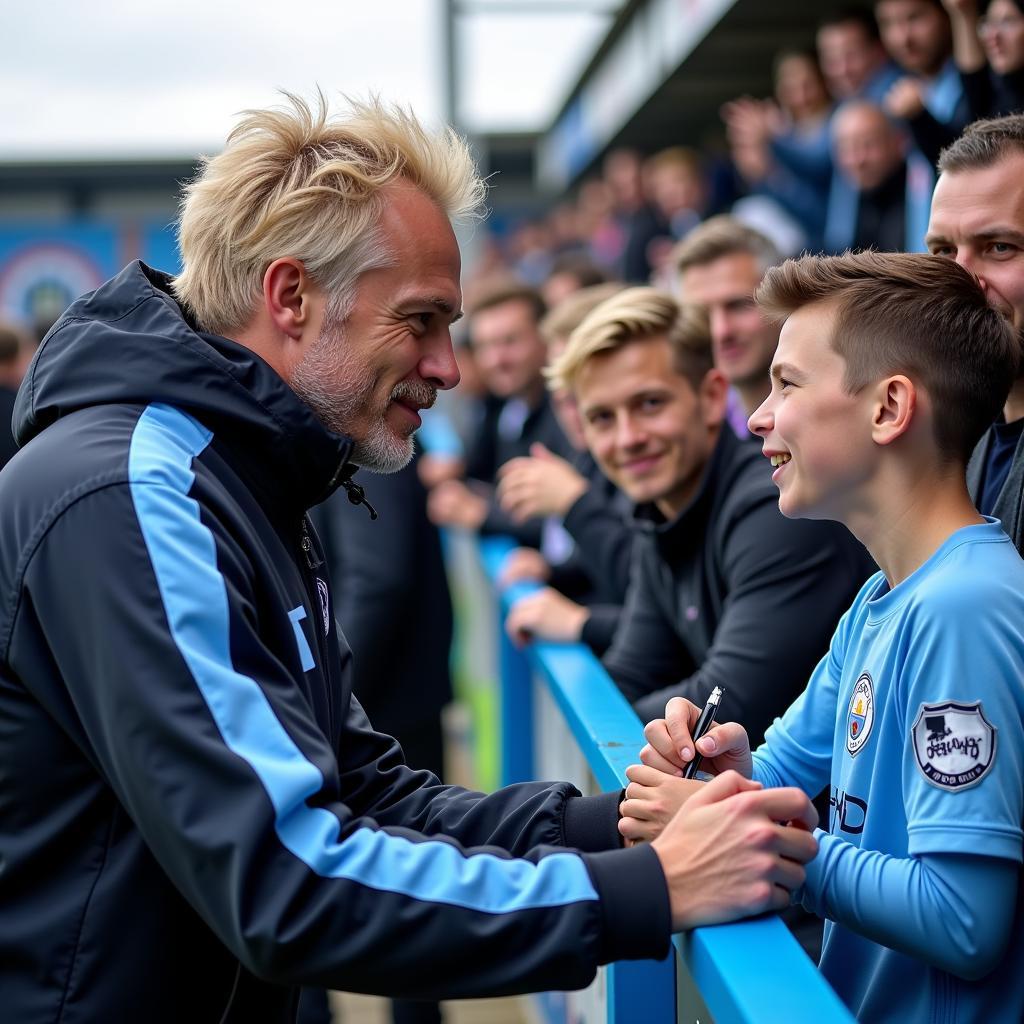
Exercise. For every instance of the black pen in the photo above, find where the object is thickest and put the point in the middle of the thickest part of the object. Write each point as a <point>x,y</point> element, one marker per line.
<point>706,720</point>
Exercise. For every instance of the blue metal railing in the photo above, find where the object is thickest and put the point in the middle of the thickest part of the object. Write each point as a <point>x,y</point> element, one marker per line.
<point>751,972</point>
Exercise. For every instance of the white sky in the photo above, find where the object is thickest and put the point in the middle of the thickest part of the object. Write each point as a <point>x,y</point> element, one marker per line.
<point>118,78</point>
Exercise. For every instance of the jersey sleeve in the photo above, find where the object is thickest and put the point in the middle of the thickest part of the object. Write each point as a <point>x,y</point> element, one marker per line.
<point>953,911</point>
<point>961,696</point>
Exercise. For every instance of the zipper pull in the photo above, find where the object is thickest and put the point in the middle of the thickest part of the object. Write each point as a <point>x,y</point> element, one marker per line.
<point>306,544</point>
<point>357,496</point>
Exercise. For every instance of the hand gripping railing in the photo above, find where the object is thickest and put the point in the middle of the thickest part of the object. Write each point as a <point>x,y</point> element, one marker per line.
<point>752,972</point>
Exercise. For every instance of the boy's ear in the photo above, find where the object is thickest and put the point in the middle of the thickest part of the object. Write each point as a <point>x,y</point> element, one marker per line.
<point>894,408</point>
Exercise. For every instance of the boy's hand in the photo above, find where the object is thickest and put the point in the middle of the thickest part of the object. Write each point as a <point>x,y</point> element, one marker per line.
<point>652,800</point>
<point>725,855</point>
<point>724,747</point>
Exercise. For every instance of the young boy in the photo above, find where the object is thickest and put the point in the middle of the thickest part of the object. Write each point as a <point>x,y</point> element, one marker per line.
<point>888,370</point>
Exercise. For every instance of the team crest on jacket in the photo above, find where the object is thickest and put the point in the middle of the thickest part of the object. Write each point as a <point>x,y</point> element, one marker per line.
<point>955,745</point>
<point>861,716</point>
<point>325,604</point>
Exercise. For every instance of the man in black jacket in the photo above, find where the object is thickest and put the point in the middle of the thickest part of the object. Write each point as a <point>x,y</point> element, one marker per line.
<point>724,590</point>
<point>217,822</point>
<point>977,218</point>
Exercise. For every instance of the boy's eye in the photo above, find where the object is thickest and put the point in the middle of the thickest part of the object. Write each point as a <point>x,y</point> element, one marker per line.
<point>783,383</point>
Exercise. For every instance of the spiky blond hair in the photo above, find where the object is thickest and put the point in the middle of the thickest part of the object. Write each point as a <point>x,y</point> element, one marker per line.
<point>295,181</point>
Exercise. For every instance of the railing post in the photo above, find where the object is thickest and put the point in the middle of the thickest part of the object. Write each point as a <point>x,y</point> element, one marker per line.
<point>642,991</point>
<point>516,709</point>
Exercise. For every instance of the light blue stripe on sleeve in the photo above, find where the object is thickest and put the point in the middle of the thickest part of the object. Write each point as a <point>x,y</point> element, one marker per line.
<point>194,595</point>
<point>296,615</point>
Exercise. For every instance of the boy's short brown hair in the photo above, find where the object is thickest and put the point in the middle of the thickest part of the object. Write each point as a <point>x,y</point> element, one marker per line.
<point>636,314</point>
<point>923,316</point>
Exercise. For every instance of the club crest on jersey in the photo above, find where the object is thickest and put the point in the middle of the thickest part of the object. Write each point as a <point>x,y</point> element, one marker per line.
<point>861,716</point>
<point>325,604</point>
<point>955,745</point>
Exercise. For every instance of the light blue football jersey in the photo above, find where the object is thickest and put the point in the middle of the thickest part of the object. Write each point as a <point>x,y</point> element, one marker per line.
<point>916,718</point>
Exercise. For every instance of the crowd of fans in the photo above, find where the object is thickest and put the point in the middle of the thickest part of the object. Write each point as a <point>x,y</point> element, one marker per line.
<point>840,157</point>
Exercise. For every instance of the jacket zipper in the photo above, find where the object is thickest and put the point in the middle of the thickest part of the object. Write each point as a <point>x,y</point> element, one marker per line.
<point>313,595</point>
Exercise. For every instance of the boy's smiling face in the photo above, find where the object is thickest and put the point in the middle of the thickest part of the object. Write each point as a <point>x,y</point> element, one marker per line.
<point>817,435</point>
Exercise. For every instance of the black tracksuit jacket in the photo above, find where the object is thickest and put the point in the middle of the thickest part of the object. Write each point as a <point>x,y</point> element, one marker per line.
<point>195,814</point>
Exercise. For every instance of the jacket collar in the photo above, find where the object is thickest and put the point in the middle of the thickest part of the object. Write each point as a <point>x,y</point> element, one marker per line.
<point>130,342</point>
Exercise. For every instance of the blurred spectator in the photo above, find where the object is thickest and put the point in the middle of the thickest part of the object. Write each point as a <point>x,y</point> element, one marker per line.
<point>510,355</point>
<point>588,589</point>
<point>871,155</point>
<point>988,48</point>
<point>930,98</point>
<point>797,124</point>
<point>720,266</point>
<point>677,184</point>
<point>530,250</point>
<point>596,223</point>
<point>678,187</point>
<point>12,367</point>
<point>852,58</point>
<point>568,239</point>
<point>570,273</point>
<point>800,91</point>
<point>1001,29</point>
<point>917,36</point>
<point>634,218</point>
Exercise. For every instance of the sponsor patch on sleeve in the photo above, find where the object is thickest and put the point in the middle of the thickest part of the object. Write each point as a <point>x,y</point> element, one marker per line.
<point>954,744</point>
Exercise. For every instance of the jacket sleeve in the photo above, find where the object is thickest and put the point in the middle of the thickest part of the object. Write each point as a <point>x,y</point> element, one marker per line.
<point>787,584</point>
<point>646,652</point>
<point>204,734</point>
<point>600,627</point>
<point>518,818</point>
<point>604,542</point>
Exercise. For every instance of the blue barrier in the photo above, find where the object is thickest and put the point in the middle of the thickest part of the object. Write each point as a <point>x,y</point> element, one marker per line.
<point>751,972</point>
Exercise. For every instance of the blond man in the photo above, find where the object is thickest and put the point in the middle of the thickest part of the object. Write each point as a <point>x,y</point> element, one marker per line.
<point>217,823</point>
